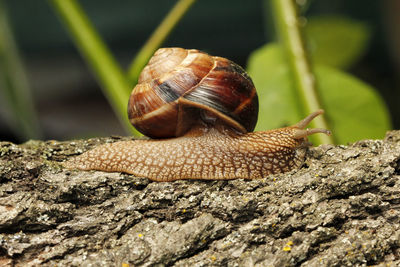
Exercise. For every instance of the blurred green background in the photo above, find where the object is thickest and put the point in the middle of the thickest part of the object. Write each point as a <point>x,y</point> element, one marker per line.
<point>67,98</point>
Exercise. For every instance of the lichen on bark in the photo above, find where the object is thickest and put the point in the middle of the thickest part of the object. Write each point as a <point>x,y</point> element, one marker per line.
<point>340,209</point>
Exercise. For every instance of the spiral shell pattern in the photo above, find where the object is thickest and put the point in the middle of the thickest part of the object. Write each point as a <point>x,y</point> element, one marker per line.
<point>177,86</point>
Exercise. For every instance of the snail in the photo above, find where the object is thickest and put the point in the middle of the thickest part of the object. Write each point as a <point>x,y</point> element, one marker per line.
<point>200,111</point>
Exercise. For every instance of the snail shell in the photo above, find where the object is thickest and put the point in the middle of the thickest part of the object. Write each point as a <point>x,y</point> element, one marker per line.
<point>179,88</point>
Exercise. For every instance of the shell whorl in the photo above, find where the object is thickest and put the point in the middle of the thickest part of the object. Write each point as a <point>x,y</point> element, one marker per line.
<point>178,84</point>
<point>164,61</point>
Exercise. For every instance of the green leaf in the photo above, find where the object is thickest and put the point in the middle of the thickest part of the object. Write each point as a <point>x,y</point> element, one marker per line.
<point>337,41</point>
<point>354,109</point>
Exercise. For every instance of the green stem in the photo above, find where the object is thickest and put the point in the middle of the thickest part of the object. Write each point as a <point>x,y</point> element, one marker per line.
<point>110,76</point>
<point>157,38</point>
<point>14,84</point>
<point>288,28</point>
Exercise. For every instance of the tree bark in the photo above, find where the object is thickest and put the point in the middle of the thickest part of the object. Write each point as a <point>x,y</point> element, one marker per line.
<point>342,208</point>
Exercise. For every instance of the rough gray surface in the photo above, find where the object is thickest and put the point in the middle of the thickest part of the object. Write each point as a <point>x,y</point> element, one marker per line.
<point>341,209</point>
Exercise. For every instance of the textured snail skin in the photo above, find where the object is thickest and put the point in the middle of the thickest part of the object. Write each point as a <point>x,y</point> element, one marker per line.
<point>204,153</point>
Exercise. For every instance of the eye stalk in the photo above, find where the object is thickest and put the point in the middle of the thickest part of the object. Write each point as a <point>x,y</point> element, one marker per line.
<point>300,132</point>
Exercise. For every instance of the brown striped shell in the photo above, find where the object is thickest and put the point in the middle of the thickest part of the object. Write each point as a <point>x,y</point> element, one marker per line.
<point>180,88</point>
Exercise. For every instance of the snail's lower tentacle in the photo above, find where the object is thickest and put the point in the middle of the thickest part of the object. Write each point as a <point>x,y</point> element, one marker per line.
<point>302,133</point>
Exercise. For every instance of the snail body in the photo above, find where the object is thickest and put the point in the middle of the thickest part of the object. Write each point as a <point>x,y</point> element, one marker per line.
<point>207,120</point>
